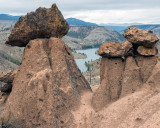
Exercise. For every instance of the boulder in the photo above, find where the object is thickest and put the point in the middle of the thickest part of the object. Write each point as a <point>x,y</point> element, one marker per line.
<point>140,37</point>
<point>8,77</point>
<point>6,87</point>
<point>47,87</point>
<point>43,23</point>
<point>147,51</point>
<point>113,49</point>
<point>7,80</point>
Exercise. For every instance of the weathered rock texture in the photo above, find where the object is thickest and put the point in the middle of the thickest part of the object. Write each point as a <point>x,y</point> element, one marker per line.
<point>112,49</point>
<point>111,76</point>
<point>43,23</point>
<point>129,71</point>
<point>47,88</point>
<point>7,80</point>
<point>120,78</point>
<point>140,37</point>
<point>8,77</point>
<point>147,51</point>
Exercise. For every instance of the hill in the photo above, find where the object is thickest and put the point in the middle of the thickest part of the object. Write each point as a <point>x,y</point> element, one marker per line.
<point>117,28</point>
<point>8,17</point>
<point>83,37</point>
<point>10,57</point>
<point>75,21</point>
<point>154,28</point>
<point>120,28</point>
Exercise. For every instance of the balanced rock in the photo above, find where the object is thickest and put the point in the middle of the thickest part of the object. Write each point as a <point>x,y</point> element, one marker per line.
<point>113,49</point>
<point>43,23</point>
<point>140,37</point>
<point>147,51</point>
<point>47,87</point>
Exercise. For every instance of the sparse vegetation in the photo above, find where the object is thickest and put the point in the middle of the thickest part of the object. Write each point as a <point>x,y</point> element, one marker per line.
<point>93,75</point>
<point>11,59</point>
<point>91,46</point>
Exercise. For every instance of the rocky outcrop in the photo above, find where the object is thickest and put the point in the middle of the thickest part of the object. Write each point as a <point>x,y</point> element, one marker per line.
<point>123,76</point>
<point>43,23</point>
<point>48,85</point>
<point>147,51</point>
<point>7,80</point>
<point>111,71</point>
<point>143,41</point>
<point>140,37</point>
<point>8,77</point>
<point>113,49</point>
<point>49,91</point>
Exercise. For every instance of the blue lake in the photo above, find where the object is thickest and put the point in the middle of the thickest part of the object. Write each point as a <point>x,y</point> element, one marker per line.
<point>91,55</point>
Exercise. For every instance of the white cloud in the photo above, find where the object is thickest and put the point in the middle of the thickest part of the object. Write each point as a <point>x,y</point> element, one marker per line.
<point>98,11</point>
<point>118,16</point>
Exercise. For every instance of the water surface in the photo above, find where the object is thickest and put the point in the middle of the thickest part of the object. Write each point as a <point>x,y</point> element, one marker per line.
<point>91,55</point>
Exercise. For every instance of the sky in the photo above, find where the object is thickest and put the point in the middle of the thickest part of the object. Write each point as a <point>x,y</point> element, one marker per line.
<point>96,11</point>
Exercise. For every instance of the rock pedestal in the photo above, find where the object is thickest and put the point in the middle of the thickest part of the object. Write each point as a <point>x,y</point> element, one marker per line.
<point>125,68</point>
<point>48,85</point>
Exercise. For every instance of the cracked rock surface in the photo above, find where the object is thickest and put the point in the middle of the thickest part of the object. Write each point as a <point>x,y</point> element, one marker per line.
<point>48,85</point>
<point>43,23</point>
<point>120,78</point>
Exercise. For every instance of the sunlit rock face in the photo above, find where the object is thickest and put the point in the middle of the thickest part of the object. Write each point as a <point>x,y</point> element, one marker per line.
<point>43,23</point>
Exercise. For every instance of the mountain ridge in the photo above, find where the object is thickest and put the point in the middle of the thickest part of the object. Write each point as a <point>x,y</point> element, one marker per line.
<point>75,21</point>
<point>8,17</point>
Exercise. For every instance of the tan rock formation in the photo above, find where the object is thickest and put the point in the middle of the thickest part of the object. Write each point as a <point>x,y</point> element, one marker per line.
<point>147,51</point>
<point>49,91</point>
<point>47,87</point>
<point>7,80</point>
<point>43,23</point>
<point>121,78</point>
<point>8,77</point>
<point>140,37</point>
<point>111,76</point>
<point>113,49</point>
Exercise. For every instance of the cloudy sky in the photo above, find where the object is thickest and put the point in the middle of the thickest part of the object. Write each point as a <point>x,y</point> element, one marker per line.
<point>97,11</point>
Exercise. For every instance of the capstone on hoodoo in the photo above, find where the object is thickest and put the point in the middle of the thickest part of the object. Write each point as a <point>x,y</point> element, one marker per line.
<point>125,67</point>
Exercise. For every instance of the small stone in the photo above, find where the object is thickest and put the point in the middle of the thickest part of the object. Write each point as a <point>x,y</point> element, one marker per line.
<point>113,49</point>
<point>43,23</point>
<point>8,77</point>
<point>140,37</point>
<point>147,51</point>
<point>6,88</point>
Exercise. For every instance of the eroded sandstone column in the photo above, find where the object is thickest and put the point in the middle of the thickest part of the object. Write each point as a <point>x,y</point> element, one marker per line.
<point>125,67</point>
<point>48,84</point>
